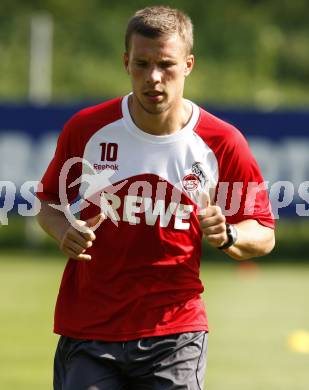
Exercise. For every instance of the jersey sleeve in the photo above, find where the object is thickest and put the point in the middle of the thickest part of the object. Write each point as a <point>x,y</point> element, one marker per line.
<point>71,144</point>
<point>66,148</point>
<point>241,191</point>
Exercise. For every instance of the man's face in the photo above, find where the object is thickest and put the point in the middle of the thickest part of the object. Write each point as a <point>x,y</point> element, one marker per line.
<point>158,68</point>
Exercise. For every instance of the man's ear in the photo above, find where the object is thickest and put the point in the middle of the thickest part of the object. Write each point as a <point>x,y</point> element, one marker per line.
<point>189,64</point>
<point>126,61</point>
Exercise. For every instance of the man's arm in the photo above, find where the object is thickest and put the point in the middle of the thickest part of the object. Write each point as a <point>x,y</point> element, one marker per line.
<point>72,242</point>
<point>253,239</point>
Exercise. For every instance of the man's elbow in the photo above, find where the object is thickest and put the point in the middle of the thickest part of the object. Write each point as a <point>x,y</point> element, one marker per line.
<point>39,218</point>
<point>267,246</point>
<point>39,215</point>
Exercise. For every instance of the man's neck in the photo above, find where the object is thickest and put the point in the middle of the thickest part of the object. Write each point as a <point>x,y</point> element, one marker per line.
<point>166,123</point>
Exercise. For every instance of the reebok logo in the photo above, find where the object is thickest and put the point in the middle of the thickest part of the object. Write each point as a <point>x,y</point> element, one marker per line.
<point>102,167</point>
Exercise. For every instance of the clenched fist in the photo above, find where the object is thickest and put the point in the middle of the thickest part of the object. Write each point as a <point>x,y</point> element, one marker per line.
<point>212,223</point>
<point>75,241</point>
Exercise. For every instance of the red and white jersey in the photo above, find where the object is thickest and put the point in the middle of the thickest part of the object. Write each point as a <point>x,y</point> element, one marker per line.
<point>143,279</point>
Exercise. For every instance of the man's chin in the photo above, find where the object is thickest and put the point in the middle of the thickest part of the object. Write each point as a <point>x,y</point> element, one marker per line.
<point>154,108</point>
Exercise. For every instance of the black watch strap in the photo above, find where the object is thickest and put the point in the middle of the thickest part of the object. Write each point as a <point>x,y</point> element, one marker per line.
<point>231,235</point>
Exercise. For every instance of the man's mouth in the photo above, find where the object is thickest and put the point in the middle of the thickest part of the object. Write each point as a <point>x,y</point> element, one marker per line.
<point>153,93</point>
<point>154,96</point>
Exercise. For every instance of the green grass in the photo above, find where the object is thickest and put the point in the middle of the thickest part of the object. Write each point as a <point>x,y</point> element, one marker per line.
<point>251,310</point>
<point>27,292</point>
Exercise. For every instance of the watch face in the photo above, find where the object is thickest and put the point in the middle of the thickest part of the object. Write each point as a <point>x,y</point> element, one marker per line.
<point>231,235</point>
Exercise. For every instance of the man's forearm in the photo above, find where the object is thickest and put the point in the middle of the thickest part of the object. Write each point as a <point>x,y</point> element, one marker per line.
<point>253,240</point>
<point>53,221</point>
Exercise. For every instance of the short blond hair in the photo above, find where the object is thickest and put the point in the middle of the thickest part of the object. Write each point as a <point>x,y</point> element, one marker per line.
<point>156,21</point>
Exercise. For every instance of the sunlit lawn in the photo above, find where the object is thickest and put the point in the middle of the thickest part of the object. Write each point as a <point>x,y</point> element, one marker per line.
<point>252,311</point>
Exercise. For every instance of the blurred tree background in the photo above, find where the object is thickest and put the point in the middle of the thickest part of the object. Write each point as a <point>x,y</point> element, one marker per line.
<point>248,52</point>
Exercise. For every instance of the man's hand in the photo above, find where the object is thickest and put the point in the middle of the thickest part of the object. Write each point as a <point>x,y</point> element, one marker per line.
<point>253,239</point>
<point>73,239</point>
<point>212,223</point>
<point>74,243</point>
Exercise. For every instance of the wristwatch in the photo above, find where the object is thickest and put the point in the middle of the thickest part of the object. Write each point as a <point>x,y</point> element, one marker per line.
<point>231,235</point>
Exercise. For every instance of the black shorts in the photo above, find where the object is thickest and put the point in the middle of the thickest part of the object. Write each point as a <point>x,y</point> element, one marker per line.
<point>176,361</point>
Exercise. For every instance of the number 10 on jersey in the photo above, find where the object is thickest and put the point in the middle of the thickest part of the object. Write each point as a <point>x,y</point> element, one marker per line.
<point>109,151</point>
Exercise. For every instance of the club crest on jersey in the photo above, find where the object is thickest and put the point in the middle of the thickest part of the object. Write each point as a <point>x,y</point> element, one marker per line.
<point>197,178</point>
<point>190,182</point>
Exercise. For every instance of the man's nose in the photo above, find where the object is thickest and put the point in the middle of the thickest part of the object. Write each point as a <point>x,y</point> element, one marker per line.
<point>154,75</point>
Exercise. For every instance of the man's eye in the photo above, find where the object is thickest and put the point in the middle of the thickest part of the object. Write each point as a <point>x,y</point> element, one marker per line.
<point>141,64</point>
<point>166,65</point>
